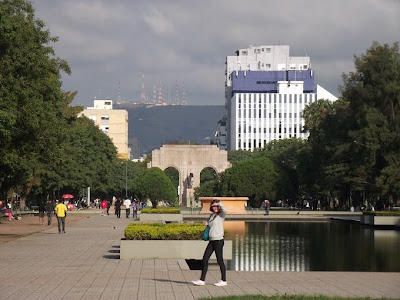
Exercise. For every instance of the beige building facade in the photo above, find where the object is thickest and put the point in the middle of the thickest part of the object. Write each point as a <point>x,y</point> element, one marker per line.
<point>113,122</point>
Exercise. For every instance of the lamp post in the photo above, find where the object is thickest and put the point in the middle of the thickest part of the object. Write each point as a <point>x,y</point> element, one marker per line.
<point>126,178</point>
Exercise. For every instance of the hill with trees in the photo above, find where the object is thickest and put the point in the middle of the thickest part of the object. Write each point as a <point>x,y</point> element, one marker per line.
<point>157,125</point>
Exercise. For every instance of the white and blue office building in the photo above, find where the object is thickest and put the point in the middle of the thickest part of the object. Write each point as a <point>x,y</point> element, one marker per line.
<point>266,92</point>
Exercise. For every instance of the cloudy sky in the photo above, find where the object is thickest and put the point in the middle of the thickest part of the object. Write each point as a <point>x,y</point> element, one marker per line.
<point>109,44</point>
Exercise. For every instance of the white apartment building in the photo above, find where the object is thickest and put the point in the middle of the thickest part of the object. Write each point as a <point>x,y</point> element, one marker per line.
<point>113,122</point>
<point>266,91</point>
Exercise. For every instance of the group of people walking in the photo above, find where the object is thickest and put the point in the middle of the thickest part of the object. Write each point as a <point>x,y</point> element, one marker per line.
<point>51,208</point>
<point>119,205</point>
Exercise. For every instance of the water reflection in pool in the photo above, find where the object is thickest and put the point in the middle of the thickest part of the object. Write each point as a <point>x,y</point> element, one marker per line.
<point>312,246</point>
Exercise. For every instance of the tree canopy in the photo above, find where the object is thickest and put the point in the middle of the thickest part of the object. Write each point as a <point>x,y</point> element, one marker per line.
<point>156,186</point>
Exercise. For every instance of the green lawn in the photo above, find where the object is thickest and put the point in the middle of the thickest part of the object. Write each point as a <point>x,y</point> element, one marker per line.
<point>285,297</point>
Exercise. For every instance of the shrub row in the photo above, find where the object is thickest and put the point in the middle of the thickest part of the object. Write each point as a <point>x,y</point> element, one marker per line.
<point>382,213</point>
<point>171,231</point>
<point>161,210</point>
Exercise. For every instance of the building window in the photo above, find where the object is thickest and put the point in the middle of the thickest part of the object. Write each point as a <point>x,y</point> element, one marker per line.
<point>268,50</point>
<point>105,119</point>
<point>244,52</point>
<point>105,129</point>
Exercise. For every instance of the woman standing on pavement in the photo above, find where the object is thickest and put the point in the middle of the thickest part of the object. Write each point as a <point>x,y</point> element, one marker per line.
<point>216,243</point>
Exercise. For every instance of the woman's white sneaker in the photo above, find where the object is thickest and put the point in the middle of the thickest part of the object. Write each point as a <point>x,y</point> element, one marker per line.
<point>199,282</point>
<point>221,283</point>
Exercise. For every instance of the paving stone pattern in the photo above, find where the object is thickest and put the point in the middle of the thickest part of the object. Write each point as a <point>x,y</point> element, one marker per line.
<point>84,264</point>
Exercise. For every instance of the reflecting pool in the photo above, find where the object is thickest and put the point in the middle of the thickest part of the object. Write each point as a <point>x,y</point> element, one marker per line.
<point>312,246</point>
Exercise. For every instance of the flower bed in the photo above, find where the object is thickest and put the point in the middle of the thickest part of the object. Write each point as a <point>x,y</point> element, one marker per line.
<point>161,214</point>
<point>161,210</point>
<point>382,213</point>
<point>181,231</point>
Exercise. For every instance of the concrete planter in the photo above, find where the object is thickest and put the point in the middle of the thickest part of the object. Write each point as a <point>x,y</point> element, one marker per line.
<point>160,218</point>
<point>380,220</point>
<point>164,249</point>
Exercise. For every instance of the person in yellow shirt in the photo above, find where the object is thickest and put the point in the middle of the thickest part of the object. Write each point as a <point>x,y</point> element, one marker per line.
<point>61,212</point>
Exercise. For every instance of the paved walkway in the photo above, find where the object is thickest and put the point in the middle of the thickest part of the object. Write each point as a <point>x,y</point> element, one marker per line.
<point>84,264</point>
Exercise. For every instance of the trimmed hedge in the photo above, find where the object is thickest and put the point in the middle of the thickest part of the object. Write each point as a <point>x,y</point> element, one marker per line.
<point>382,213</point>
<point>161,210</point>
<point>171,231</point>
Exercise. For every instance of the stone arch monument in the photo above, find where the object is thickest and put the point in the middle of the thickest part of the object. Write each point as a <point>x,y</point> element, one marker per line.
<point>189,160</point>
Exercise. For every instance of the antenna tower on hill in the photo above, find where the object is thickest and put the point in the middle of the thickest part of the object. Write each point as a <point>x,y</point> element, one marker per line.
<point>160,95</point>
<point>143,93</point>
<point>154,94</point>
<point>176,93</point>
<point>119,92</point>
<point>183,95</point>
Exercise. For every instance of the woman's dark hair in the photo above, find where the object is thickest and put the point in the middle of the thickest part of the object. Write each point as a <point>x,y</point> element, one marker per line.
<point>219,207</point>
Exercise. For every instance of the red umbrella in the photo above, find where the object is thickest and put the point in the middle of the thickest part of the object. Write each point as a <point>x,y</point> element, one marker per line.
<point>67,196</point>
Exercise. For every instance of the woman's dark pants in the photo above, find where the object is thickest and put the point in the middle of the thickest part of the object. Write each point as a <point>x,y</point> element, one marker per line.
<point>212,246</point>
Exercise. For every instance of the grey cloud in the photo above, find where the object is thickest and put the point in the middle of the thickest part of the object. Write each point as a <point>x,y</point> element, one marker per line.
<point>107,42</point>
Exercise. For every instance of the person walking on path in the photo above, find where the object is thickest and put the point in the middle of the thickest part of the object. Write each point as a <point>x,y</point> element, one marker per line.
<point>61,213</point>
<point>134,209</point>
<point>108,207</point>
<point>267,204</point>
<point>42,209</point>
<point>216,243</point>
<point>103,206</point>
<point>118,204</point>
<point>127,204</point>
<point>49,210</point>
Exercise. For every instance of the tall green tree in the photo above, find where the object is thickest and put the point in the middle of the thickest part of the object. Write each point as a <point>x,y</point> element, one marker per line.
<point>156,186</point>
<point>286,156</point>
<point>373,93</point>
<point>30,97</point>
<point>253,178</point>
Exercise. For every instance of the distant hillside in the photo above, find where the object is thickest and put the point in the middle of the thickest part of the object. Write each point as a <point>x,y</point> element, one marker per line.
<point>156,125</point>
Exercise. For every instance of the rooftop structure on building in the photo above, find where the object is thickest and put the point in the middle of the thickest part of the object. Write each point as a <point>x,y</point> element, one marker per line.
<point>266,91</point>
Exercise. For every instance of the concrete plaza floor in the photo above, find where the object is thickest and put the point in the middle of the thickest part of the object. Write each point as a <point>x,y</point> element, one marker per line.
<point>84,264</point>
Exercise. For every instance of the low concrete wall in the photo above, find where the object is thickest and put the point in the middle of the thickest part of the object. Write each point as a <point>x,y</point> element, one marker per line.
<point>158,218</point>
<point>387,220</point>
<point>179,249</point>
<point>367,219</point>
<point>380,220</point>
